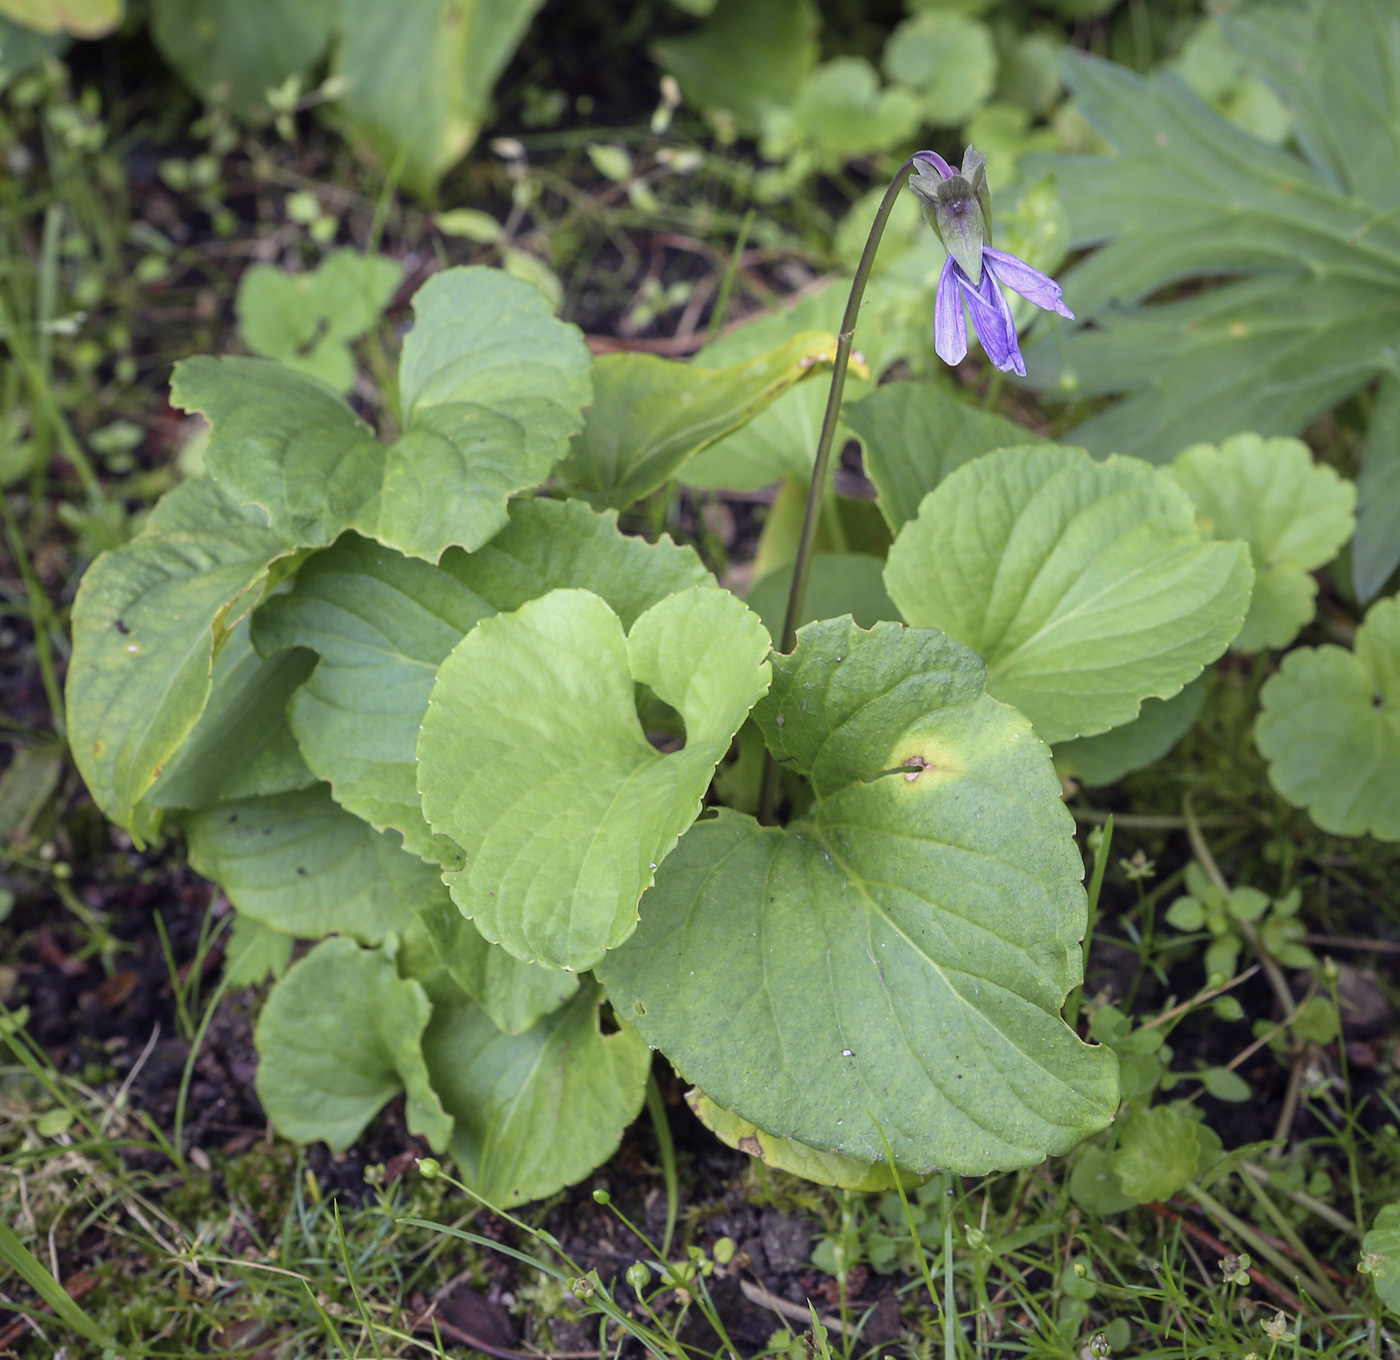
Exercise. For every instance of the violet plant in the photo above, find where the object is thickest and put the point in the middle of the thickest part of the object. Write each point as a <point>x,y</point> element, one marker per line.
<point>425,703</point>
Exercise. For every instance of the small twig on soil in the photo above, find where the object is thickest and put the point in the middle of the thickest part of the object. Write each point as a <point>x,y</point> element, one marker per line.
<point>1351,942</point>
<point>1200,998</point>
<point>792,1312</point>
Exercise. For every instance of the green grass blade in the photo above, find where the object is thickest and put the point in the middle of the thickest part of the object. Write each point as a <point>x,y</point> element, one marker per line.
<point>27,1266</point>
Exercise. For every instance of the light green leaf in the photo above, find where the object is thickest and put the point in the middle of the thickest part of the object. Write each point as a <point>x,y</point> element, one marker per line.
<point>1094,1184</point>
<point>1380,1256</point>
<point>838,583</point>
<point>1329,726</point>
<point>534,1112</point>
<point>746,58</point>
<point>255,952</point>
<point>307,320</point>
<point>22,49</point>
<point>491,385</point>
<point>532,759</point>
<point>1085,585</point>
<point>1375,552</point>
<point>948,59</point>
<point>841,111</point>
<point>147,620</point>
<point>1106,758</point>
<point>514,994</point>
<point>898,957</point>
<point>1158,1152</point>
<point>1224,1084</point>
<point>241,746</point>
<point>1313,305</point>
<point>649,415</point>
<point>781,441</point>
<point>81,18</point>
<point>383,624</point>
<point>340,1036</point>
<point>299,864</point>
<point>420,76</point>
<point>1294,514</point>
<point>914,434</point>
<point>825,1168</point>
<point>235,52</point>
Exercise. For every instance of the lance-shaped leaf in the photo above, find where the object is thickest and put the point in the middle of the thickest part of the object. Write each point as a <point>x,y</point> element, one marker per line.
<point>533,761</point>
<point>914,434</point>
<point>420,74</point>
<point>812,1164</point>
<point>537,1111</point>
<point>241,746</point>
<point>491,385</point>
<point>1106,758</point>
<point>896,960</point>
<point>1189,195</point>
<point>1085,586</point>
<point>383,623</point>
<point>340,1036</point>
<point>514,994</point>
<point>302,865</point>
<point>147,621</point>
<point>1294,514</point>
<point>649,415</point>
<point>1329,726</point>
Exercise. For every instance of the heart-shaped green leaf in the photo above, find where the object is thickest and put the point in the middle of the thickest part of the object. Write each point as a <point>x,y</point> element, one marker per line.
<point>1329,726</point>
<point>306,320</point>
<point>340,1036</point>
<point>302,865</point>
<point>914,434</point>
<point>532,759</point>
<point>1085,586</point>
<point>1295,515</point>
<point>896,960</point>
<point>949,59</point>
<point>147,621</point>
<point>649,415</point>
<point>241,747</point>
<point>1380,1256</point>
<point>537,1111</point>
<point>383,624</point>
<point>491,385</point>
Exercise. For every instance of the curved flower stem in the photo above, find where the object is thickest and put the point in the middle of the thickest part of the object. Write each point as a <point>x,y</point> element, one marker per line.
<point>768,796</point>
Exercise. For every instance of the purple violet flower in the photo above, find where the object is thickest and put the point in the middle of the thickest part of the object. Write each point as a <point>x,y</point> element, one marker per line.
<point>959,208</point>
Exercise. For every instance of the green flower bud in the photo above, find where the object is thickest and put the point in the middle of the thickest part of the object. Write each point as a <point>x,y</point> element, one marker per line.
<point>429,1168</point>
<point>638,1276</point>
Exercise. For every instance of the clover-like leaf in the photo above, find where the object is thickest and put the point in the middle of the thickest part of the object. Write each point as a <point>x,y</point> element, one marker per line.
<point>301,865</point>
<point>306,320</point>
<point>1329,726</point>
<point>1106,758</point>
<point>147,621</point>
<point>383,623</point>
<point>514,994</point>
<point>1295,515</point>
<point>649,415</point>
<point>241,746</point>
<point>533,1112</point>
<point>532,759</point>
<point>491,385</point>
<point>1312,252</point>
<point>1085,586</point>
<point>340,1036</point>
<point>896,959</point>
<point>914,434</point>
<point>812,1164</point>
<point>1159,1150</point>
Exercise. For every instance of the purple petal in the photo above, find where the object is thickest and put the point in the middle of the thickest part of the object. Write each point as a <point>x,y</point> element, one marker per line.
<point>934,159</point>
<point>1032,285</point>
<point>991,318</point>
<point>949,327</point>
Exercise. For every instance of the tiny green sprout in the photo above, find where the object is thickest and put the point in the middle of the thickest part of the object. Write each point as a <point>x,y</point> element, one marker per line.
<point>976,1238</point>
<point>723,1250</point>
<point>1331,970</point>
<point>1139,867</point>
<point>1081,1269</point>
<point>429,1168</point>
<point>1235,1269</point>
<point>638,1276</point>
<point>601,1197</point>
